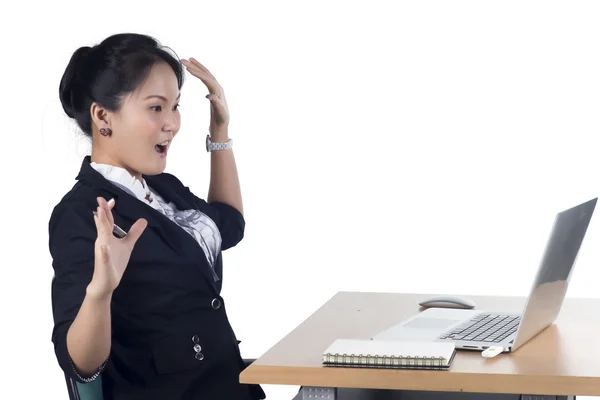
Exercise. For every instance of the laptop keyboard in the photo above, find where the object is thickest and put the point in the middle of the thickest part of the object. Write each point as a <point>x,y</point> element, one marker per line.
<point>485,328</point>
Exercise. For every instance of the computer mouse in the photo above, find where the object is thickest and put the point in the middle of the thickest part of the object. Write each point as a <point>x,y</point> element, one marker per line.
<point>448,302</point>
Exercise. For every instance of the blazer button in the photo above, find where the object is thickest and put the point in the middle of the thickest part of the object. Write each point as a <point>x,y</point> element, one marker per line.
<point>197,348</point>
<point>215,303</point>
<point>195,339</point>
<point>199,356</point>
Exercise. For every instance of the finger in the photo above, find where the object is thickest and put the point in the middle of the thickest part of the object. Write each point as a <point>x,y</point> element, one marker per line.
<point>199,65</point>
<point>135,232</point>
<point>110,205</point>
<point>194,66</point>
<point>102,225</point>
<point>105,205</point>
<point>210,83</point>
<point>107,208</point>
<point>205,76</point>
<point>99,221</point>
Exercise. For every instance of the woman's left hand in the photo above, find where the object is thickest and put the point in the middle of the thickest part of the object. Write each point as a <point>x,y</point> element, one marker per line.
<point>219,112</point>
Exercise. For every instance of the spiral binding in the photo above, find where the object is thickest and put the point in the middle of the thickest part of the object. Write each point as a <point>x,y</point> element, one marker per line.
<point>381,361</point>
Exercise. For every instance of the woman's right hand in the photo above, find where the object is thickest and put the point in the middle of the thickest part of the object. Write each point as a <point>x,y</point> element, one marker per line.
<point>111,253</point>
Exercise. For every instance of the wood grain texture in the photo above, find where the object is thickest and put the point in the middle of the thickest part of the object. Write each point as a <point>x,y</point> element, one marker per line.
<point>564,359</point>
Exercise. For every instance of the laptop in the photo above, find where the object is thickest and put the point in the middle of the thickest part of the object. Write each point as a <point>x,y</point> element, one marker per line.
<point>478,329</point>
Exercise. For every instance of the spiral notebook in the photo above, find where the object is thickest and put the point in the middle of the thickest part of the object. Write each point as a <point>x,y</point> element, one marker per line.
<point>389,354</point>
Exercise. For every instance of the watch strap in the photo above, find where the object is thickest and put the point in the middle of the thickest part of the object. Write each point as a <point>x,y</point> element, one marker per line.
<point>217,146</point>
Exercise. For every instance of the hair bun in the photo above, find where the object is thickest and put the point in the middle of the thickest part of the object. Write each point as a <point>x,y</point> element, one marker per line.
<point>73,86</point>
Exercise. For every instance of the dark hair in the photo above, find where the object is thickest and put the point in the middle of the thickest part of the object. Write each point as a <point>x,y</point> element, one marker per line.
<point>109,71</point>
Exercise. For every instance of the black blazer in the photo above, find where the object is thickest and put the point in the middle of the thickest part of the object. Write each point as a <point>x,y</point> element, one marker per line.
<point>167,302</point>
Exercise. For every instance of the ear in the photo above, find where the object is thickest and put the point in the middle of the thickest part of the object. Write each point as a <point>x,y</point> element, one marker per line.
<point>100,116</point>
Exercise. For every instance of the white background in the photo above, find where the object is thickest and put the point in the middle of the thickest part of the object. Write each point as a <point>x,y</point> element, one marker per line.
<point>419,146</point>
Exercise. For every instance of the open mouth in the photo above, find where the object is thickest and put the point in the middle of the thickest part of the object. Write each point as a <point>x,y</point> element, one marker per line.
<point>161,148</point>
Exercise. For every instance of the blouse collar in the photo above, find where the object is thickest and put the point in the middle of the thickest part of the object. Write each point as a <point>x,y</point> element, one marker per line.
<point>120,176</point>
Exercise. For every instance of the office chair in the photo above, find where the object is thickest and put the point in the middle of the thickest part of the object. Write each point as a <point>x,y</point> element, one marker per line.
<point>93,390</point>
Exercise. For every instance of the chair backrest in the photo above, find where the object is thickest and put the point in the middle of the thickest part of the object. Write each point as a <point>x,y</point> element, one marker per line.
<point>85,391</point>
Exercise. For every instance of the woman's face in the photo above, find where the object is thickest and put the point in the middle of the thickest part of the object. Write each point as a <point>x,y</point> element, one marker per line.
<point>142,130</point>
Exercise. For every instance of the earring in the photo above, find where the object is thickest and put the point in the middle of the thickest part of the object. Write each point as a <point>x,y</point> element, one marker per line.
<point>105,132</point>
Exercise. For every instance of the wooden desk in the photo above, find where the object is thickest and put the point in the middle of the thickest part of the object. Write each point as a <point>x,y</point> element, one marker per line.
<point>563,360</point>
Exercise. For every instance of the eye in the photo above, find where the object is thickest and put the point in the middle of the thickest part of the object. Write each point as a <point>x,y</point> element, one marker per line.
<point>159,108</point>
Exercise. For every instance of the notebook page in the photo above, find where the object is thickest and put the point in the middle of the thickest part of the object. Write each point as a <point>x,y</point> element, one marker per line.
<point>391,348</point>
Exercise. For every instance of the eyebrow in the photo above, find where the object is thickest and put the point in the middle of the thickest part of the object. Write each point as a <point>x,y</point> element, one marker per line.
<point>161,97</point>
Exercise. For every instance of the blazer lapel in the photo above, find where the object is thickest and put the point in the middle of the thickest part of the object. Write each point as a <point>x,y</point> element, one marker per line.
<point>171,194</point>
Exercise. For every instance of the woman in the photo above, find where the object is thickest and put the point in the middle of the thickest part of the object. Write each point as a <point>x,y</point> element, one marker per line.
<point>144,311</point>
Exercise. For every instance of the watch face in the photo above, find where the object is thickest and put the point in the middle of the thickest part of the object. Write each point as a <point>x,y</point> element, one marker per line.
<point>207,142</point>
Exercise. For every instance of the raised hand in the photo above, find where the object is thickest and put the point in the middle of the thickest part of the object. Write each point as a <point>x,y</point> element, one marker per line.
<point>111,253</point>
<point>219,111</point>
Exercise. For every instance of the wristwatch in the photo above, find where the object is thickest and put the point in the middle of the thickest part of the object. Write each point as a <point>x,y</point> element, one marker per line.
<point>211,146</point>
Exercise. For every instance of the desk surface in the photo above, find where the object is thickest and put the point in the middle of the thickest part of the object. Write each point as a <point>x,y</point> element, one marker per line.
<point>564,359</point>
